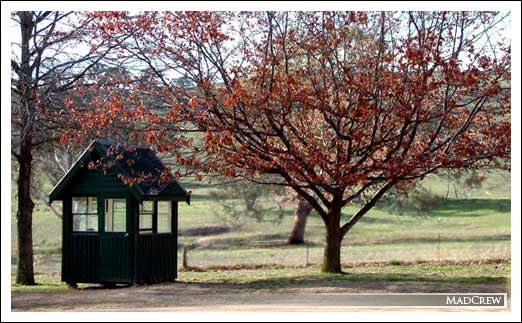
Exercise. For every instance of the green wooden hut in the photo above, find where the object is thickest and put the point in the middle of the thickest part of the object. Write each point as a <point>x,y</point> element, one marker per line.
<point>113,232</point>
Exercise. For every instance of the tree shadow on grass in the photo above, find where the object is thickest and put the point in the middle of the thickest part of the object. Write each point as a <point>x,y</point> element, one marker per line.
<point>203,231</point>
<point>336,280</point>
<point>451,208</point>
<point>372,219</point>
<point>267,240</point>
<point>279,241</point>
<point>345,280</point>
<point>479,207</point>
<point>432,239</point>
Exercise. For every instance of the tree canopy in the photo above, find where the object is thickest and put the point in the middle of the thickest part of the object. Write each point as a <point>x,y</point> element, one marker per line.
<point>341,106</point>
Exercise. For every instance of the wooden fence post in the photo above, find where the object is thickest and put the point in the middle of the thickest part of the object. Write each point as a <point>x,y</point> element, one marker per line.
<point>307,252</point>
<point>184,254</point>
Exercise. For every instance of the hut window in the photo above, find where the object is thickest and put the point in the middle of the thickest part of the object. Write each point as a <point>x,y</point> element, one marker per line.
<point>164,217</point>
<point>146,214</point>
<point>115,215</point>
<point>85,214</point>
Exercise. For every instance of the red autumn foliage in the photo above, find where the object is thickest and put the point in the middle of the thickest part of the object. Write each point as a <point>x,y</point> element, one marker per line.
<point>342,106</point>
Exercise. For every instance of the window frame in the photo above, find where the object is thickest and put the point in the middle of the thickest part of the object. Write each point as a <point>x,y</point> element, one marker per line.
<point>155,208</point>
<point>105,200</point>
<point>87,214</point>
<point>171,209</point>
<point>151,229</point>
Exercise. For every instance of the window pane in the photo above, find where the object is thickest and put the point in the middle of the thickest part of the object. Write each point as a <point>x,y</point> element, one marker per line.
<point>85,213</point>
<point>115,215</point>
<point>85,222</point>
<point>147,206</point>
<point>164,216</point>
<point>85,204</point>
<point>146,211</point>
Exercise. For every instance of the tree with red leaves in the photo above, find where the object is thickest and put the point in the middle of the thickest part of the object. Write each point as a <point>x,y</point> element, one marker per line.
<point>339,106</point>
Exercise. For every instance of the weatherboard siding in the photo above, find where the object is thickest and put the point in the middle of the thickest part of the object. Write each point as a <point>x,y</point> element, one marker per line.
<point>95,182</point>
<point>156,258</point>
<point>81,258</point>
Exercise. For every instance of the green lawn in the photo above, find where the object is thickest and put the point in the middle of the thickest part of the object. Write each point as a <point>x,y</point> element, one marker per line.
<point>476,226</point>
<point>285,279</point>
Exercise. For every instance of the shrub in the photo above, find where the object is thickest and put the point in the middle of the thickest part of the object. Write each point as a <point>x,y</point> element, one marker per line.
<point>414,198</point>
<point>424,201</point>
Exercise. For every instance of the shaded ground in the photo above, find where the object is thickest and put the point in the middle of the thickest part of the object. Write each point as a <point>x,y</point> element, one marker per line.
<point>224,297</point>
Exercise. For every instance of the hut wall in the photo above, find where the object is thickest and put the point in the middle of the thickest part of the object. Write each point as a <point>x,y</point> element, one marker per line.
<point>156,257</point>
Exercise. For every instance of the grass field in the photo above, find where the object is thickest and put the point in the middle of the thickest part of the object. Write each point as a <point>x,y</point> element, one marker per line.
<point>475,226</point>
<point>284,279</point>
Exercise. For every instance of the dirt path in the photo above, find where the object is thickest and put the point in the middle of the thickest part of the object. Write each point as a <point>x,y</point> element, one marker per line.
<point>184,296</point>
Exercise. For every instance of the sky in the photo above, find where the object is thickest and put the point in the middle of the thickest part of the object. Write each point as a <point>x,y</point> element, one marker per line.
<point>77,49</point>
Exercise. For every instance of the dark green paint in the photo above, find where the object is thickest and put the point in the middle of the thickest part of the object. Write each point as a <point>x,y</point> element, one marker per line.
<point>113,257</point>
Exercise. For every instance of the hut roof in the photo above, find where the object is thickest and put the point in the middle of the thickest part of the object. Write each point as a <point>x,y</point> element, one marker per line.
<point>131,162</point>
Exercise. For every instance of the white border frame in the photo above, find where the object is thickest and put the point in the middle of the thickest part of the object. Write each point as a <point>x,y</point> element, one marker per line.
<point>514,7</point>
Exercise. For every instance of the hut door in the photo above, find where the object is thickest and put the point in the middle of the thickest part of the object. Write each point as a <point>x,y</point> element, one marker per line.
<point>115,242</point>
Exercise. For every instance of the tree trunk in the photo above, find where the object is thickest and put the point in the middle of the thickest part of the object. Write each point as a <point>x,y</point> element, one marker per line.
<point>24,220</point>
<point>301,214</point>
<point>24,215</point>
<point>334,237</point>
